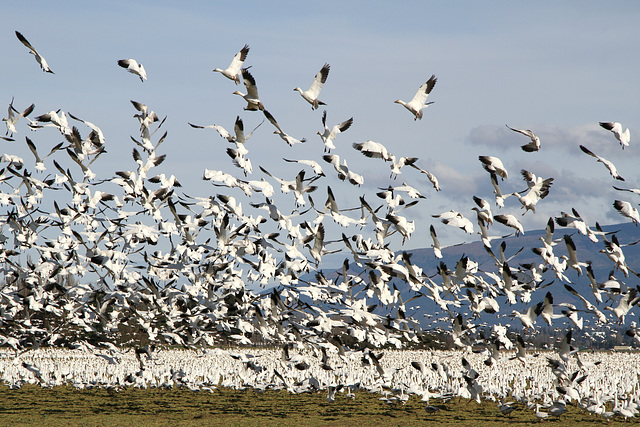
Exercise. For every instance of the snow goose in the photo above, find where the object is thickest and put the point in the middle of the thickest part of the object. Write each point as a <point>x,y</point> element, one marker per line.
<point>233,71</point>
<point>411,191</point>
<point>253,101</point>
<point>437,252</point>
<point>397,164</point>
<point>627,210</point>
<point>285,137</point>
<point>528,318</point>
<point>538,191</point>
<point>311,95</point>
<point>630,190</point>
<point>14,115</point>
<point>330,134</point>
<point>510,221</point>
<point>493,165</point>
<point>222,131</point>
<point>588,305</point>
<point>573,255</point>
<point>610,166</point>
<point>40,161</point>
<point>39,58</point>
<point>373,149</point>
<point>497,191</point>
<point>134,67</point>
<point>311,163</point>
<point>615,127</point>
<point>459,221</point>
<point>574,220</point>
<point>483,210</point>
<point>99,136</point>
<point>532,146</point>
<point>419,101</point>
<point>625,304</point>
<point>431,177</point>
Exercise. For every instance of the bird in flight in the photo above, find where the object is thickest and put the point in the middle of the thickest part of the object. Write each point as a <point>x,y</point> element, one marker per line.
<point>39,58</point>
<point>134,67</point>
<point>615,127</point>
<point>311,95</point>
<point>419,101</point>
<point>532,146</point>
<point>235,68</point>
<point>253,101</point>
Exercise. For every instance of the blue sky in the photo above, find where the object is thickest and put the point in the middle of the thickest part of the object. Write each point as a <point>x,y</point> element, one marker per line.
<point>557,68</point>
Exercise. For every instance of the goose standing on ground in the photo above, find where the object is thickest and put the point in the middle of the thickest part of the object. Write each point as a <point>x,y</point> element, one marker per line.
<point>615,127</point>
<point>252,98</point>
<point>329,134</point>
<point>14,115</point>
<point>233,71</point>
<point>132,66</point>
<point>534,145</point>
<point>610,166</point>
<point>311,95</point>
<point>39,58</point>
<point>419,101</point>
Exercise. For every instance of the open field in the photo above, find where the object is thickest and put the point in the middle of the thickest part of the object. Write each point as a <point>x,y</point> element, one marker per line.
<point>266,387</point>
<point>65,405</point>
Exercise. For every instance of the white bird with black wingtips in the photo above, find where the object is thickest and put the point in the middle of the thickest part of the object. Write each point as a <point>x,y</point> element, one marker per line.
<point>134,67</point>
<point>32,50</point>
<point>252,98</point>
<point>233,71</point>
<point>311,95</point>
<point>329,135</point>
<point>615,127</point>
<point>419,100</point>
<point>532,146</point>
<point>610,166</point>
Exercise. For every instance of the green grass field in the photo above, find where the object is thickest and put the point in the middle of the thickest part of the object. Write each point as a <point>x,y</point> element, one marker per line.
<point>33,405</point>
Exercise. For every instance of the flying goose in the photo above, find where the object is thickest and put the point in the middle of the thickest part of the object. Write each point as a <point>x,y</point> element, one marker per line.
<point>510,221</point>
<point>39,58</point>
<point>373,149</point>
<point>311,95</point>
<point>627,210</point>
<point>285,137</point>
<point>330,134</point>
<point>431,177</point>
<point>493,165</point>
<point>610,166</point>
<point>132,66</point>
<point>234,70</point>
<point>14,115</point>
<point>532,146</point>
<point>615,127</point>
<point>253,101</point>
<point>311,163</point>
<point>419,101</point>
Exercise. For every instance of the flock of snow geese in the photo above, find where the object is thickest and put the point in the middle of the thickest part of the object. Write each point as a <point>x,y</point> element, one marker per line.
<point>132,258</point>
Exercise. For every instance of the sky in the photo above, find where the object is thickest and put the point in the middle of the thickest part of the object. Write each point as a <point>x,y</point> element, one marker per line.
<point>557,68</point>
